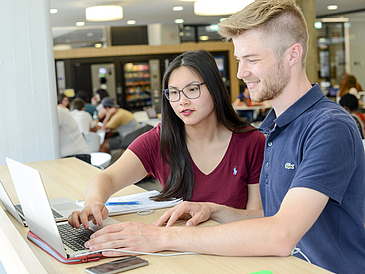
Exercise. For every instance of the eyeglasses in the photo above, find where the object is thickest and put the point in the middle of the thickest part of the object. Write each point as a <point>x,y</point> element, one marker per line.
<point>190,92</point>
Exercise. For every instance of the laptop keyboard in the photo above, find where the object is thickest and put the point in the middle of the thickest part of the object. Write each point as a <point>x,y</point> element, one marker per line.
<point>18,207</point>
<point>74,238</point>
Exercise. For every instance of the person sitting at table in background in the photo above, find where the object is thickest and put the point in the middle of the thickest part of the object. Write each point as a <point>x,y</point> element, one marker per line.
<point>351,104</point>
<point>72,143</point>
<point>202,151</point>
<point>312,183</point>
<point>244,100</point>
<point>348,87</point>
<point>63,100</point>
<point>90,108</point>
<point>96,101</point>
<point>119,119</point>
<point>82,118</point>
<point>343,81</point>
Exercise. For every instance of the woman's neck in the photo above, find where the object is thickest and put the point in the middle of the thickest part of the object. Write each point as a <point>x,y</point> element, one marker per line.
<point>205,134</point>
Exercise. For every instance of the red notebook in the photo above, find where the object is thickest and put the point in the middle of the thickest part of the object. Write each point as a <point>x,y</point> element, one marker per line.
<point>76,260</point>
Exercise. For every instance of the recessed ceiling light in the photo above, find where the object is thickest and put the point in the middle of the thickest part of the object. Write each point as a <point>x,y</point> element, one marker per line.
<point>179,21</point>
<point>204,38</point>
<point>219,7</point>
<point>131,22</point>
<point>104,13</point>
<point>80,24</point>
<point>53,11</point>
<point>332,7</point>
<point>177,8</point>
<point>98,45</point>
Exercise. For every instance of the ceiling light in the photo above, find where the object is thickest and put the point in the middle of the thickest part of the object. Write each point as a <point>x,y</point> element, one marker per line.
<point>98,45</point>
<point>53,11</point>
<point>334,20</point>
<point>332,7</point>
<point>80,24</point>
<point>204,38</point>
<point>179,21</point>
<point>104,13</point>
<point>177,8</point>
<point>219,7</point>
<point>131,22</point>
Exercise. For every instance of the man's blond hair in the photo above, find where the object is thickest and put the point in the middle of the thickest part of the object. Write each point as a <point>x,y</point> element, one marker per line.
<point>282,22</point>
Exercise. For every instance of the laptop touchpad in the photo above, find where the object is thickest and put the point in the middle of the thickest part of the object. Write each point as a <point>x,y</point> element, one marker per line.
<point>65,206</point>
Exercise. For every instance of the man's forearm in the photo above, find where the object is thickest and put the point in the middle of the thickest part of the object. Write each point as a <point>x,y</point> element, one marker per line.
<point>244,238</point>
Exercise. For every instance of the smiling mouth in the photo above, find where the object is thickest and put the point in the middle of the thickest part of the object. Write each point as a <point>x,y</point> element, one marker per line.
<point>250,84</point>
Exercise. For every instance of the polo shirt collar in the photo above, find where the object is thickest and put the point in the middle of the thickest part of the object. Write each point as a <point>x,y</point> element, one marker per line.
<point>294,111</point>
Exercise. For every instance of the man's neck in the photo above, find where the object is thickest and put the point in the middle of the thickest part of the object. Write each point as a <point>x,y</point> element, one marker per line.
<point>296,88</point>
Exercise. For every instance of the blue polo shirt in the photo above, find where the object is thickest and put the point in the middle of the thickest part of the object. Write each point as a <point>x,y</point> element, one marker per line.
<point>315,144</point>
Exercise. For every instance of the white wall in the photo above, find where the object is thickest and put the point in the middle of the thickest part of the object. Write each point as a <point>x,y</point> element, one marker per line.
<point>28,112</point>
<point>357,46</point>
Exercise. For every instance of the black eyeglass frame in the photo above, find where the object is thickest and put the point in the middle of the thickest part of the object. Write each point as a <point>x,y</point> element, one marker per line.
<point>166,91</point>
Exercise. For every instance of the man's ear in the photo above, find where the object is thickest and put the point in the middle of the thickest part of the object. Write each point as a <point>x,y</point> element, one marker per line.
<point>295,54</point>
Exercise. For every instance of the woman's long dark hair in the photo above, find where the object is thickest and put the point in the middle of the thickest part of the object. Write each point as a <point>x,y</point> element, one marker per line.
<point>174,150</point>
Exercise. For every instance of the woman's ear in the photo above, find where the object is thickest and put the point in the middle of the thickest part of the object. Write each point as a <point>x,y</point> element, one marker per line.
<point>295,54</point>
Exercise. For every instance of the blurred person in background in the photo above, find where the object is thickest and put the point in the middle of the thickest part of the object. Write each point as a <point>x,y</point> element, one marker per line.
<point>82,118</point>
<point>63,100</point>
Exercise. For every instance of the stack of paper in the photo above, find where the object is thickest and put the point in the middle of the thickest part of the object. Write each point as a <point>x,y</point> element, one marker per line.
<point>145,203</point>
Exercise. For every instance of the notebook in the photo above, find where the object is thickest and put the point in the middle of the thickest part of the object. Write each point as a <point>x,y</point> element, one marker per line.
<point>43,230</point>
<point>145,203</point>
<point>61,207</point>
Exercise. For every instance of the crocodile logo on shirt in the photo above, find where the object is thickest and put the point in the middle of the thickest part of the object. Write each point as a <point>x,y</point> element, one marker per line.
<point>289,166</point>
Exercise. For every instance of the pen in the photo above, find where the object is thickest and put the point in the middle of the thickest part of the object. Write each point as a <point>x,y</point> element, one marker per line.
<point>123,203</point>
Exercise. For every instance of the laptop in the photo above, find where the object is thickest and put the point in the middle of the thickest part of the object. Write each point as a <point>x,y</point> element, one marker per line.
<point>38,213</point>
<point>61,207</point>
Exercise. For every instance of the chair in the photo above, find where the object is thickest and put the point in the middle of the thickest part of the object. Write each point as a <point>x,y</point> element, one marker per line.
<point>100,159</point>
<point>93,141</point>
<point>130,137</point>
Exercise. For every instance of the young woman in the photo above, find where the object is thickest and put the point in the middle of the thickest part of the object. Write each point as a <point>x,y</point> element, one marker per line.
<point>202,151</point>
<point>348,87</point>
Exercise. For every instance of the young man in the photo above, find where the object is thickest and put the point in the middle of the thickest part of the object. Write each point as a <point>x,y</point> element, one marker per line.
<point>83,119</point>
<point>312,181</point>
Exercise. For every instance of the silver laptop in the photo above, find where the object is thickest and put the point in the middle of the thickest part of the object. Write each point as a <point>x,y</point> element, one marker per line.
<point>38,213</point>
<point>61,207</point>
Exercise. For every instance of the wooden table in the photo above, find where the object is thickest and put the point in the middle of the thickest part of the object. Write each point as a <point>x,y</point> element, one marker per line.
<point>69,178</point>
